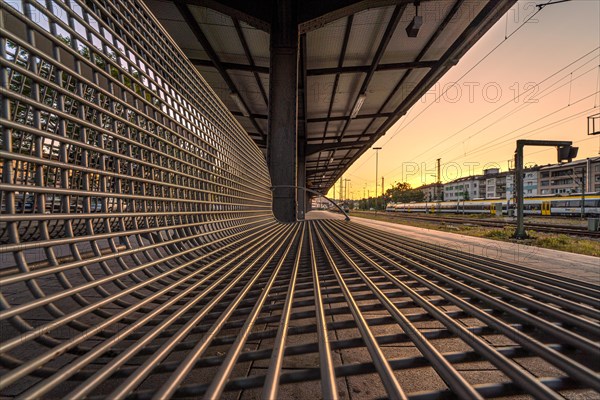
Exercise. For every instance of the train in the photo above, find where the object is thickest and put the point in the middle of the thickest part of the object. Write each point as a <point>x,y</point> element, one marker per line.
<point>568,205</point>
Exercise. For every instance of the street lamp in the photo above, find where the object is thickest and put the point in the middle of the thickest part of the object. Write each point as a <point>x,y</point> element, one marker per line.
<point>376,172</point>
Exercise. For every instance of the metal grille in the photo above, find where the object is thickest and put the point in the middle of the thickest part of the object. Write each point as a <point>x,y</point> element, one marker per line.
<point>140,258</point>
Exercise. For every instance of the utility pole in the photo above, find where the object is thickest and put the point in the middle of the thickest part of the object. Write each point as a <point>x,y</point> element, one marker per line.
<point>376,172</point>
<point>382,198</point>
<point>334,191</point>
<point>346,188</point>
<point>583,191</point>
<point>439,179</point>
<point>341,184</point>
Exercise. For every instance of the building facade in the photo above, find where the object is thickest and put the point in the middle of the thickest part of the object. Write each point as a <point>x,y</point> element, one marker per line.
<point>432,192</point>
<point>530,183</point>
<point>571,177</point>
<point>467,188</point>
<point>495,183</point>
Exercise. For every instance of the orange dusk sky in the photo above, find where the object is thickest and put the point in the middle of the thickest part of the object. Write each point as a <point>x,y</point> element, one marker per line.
<point>540,83</point>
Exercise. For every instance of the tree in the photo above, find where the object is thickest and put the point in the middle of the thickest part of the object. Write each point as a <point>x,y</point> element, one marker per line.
<point>402,192</point>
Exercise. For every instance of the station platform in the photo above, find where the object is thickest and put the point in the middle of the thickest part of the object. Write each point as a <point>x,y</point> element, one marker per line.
<point>569,265</point>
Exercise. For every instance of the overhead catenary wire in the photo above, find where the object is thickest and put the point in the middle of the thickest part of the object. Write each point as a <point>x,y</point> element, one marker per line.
<point>517,132</point>
<point>511,101</point>
<point>468,71</point>
<point>512,112</point>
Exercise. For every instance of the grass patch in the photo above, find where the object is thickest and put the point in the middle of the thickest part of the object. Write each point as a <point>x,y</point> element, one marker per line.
<point>568,243</point>
<point>571,244</point>
<point>499,234</point>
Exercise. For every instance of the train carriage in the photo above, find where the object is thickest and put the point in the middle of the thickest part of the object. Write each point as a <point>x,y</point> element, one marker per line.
<point>569,205</point>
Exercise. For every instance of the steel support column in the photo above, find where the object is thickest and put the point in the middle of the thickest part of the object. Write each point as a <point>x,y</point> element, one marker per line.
<point>301,176</point>
<point>283,95</point>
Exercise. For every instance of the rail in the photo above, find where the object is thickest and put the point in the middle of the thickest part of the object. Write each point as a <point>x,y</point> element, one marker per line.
<point>139,257</point>
<point>498,223</point>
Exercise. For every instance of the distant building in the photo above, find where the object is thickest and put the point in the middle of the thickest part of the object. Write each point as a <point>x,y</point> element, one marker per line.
<point>567,178</point>
<point>467,188</point>
<point>432,192</point>
<point>495,183</point>
<point>320,203</point>
<point>530,183</point>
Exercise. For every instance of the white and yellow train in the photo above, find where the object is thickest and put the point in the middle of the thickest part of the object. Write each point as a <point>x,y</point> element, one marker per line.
<point>569,205</point>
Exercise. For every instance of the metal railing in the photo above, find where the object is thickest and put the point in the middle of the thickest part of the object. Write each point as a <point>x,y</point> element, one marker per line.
<point>139,257</point>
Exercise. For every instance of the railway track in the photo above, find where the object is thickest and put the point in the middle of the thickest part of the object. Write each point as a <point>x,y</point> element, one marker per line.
<point>550,228</point>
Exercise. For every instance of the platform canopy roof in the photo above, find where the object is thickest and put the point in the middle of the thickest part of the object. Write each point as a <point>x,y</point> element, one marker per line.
<point>359,70</point>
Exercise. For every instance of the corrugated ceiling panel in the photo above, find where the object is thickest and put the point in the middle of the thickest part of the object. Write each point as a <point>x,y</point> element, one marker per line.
<point>403,48</point>
<point>218,29</point>
<point>258,43</point>
<point>356,126</point>
<point>381,86</point>
<point>376,124</point>
<point>247,86</point>
<point>410,84</point>
<point>315,130</point>
<point>347,92</point>
<point>264,124</point>
<point>367,29</point>
<point>217,84</point>
<point>335,127</point>
<point>318,95</point>
<point>246,124</point>
<point>463,18</point>
<point>181,32</point>
<point>325,44</point>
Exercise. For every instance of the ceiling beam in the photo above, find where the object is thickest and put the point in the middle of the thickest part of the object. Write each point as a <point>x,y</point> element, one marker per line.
<point>385,40</point>
<point>244,43</point>
<point>355,69</point>
<point>321,119</point>
<point>345,117</point>
<point>254,13</point>
<point>366,69</point>
<point>231,66</point>
<point>316,148</point>
<point>204,42</point>
<point>451,14</point>
<point>357,137</point>
<point>337,74</point>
